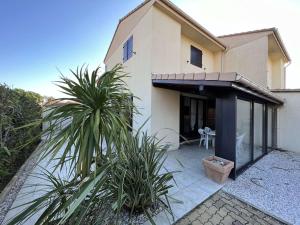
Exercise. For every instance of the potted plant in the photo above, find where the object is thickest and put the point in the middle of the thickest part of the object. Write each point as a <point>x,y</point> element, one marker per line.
<point>217,169</point>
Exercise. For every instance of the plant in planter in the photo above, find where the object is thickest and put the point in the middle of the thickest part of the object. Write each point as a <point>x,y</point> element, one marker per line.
<point>110,169</point>
<point>217,169</point>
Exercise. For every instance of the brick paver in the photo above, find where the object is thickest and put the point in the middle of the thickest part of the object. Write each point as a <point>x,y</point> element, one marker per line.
<point>224,209</point>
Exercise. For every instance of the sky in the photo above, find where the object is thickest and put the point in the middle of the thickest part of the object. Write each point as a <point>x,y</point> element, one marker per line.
<point>40,39</point>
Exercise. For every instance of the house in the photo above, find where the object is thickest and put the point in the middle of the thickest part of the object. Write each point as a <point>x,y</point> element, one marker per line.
<point>187,78</point>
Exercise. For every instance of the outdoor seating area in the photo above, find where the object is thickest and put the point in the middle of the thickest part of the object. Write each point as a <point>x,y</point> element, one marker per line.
<point>207,136</point>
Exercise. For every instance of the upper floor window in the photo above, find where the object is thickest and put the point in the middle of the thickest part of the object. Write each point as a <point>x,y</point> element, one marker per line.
<point>128,49</point>
<point>196,56</point>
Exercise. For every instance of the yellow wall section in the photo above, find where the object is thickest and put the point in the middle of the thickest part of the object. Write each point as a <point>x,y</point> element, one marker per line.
<point>165,43</point>
<point>207,57</point>
<point>278,74</point>
<point>139,68</point>
<point>166,49</point>
<point>249,60</point>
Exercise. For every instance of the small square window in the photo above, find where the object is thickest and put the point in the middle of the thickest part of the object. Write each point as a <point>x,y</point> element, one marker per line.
<point>128,49</point>
<point>196,57</point>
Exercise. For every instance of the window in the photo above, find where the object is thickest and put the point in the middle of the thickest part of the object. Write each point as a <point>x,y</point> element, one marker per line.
<point>128,49</point>
<point>196,57</point>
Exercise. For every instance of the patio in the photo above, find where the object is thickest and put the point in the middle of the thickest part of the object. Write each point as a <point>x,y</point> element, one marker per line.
<point>192,186</point>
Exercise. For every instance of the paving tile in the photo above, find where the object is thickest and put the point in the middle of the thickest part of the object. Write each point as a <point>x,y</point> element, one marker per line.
<point>228,213</point>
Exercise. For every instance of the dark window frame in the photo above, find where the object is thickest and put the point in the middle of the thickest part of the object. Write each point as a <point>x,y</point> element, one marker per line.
<point>196,56</point>
<point>128,49</point>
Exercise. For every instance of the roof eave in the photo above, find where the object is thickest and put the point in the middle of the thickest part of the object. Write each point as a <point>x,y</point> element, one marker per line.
<point>193,22</point>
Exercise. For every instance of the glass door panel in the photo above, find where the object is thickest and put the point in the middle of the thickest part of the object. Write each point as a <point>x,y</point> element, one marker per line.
<point>243,136</point>
<point>270,129</point>
<point>258,149</point>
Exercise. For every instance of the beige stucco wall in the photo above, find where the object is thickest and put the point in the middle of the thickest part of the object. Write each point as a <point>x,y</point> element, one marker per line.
<point>278,74</point>
<point>139,68</point>
<point>269,73</point>
<point>288,122</point>
<point>157,43</point>
<point>126,27</point>
<point>166,51</point>
<point>165,116</point>
<point>249,60</point>
<point>207,57</point>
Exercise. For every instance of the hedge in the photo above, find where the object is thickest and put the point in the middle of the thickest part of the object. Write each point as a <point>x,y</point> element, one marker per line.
<point>17,108</point>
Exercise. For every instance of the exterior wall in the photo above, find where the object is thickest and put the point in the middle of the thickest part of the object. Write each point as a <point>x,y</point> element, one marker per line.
<point>269,73</point>
<point>288,123</point>
<point>278,74</point>
<point>166,51</point>
<point>207,57</point>
<point>249,60</point>
<point>275,74</point>
<point>165,117</point>
<point>218,67</point>
<point>125,28</point>
<point>139,68</point>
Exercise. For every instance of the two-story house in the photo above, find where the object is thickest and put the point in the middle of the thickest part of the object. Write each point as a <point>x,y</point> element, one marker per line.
<point>186,79</point>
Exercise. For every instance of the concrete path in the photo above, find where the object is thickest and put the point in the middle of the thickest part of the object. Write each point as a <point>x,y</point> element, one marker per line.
<point>272,185</point>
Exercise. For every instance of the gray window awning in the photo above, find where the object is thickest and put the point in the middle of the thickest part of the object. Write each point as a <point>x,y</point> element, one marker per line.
<point>231,80</point>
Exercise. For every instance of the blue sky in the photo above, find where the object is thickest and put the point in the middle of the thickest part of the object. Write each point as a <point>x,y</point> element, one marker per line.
<point>38,37</point>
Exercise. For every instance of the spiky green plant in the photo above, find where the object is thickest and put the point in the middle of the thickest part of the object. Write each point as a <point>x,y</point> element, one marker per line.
<point>91,120</point>
<point>108,165</point>
<point>139,173</point>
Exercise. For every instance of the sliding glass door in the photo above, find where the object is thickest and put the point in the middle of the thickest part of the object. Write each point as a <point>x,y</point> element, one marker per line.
<point>258,129</point>
<point>191,117</point>
<point>255,132</point>
<point>243,133</point>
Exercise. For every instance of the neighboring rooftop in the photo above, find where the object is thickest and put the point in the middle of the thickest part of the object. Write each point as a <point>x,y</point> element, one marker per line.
<point>275,42</point>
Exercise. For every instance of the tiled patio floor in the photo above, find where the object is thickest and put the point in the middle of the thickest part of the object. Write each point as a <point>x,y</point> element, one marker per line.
<point>193,187</point>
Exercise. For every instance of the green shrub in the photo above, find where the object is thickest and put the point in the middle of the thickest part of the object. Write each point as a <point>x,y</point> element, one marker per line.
<point>138,171</point>
<point>17,108</point>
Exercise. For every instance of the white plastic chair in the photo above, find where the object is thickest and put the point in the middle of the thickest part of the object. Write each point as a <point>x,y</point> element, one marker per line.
<point>202,136</point>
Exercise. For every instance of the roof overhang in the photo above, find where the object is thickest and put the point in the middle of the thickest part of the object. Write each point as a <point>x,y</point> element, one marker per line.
<point>189,26</point>
<point>226,80</point>
<point>275,37</point>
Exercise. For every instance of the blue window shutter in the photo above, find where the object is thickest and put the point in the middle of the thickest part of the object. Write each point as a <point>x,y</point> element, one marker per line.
<point>130,47</point>
<point>125,52</point>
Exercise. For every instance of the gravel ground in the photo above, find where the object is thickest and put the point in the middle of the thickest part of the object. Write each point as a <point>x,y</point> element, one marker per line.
<point>272,185</point>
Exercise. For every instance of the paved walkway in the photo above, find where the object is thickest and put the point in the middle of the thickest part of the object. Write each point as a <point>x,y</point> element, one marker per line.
<point>224,209</point>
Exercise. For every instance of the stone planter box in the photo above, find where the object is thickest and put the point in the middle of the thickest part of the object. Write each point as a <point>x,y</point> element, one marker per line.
<point>217,169</point>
